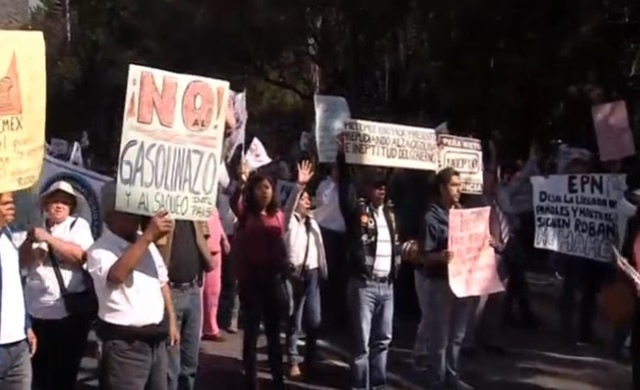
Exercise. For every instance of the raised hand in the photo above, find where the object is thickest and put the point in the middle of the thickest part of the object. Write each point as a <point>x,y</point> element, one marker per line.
<point>243,171</point>
<point>305,172</point>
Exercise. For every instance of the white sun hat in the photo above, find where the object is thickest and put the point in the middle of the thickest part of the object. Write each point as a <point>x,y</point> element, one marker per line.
<point>67,188</point>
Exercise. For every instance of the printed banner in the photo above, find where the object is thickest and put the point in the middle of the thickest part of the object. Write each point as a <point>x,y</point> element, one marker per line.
<point>473,270</point>
<point>578,214</point>
<point>171,148</point>
<point>23,100</point>
<point>86,183</point>
<point>331,112</point>
<point>390,145</point>
<point>465,156</point>
<point>611,121</point>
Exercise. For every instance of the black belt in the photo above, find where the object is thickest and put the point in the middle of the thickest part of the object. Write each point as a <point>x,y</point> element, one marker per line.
<point>379,279</point>
<point>184,286</point>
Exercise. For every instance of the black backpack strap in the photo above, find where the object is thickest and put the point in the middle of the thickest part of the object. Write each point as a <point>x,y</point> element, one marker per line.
<point>55,263</point>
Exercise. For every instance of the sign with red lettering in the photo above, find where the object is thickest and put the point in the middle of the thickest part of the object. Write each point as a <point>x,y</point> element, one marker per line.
<point>171,147</point>
<point>472,270</point>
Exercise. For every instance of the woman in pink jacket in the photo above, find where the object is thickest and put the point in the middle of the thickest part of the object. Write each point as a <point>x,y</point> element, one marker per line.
<point>212,282</point>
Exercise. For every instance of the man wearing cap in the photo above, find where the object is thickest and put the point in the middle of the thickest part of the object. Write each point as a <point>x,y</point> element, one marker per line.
<point>371,235</point>
<point>186,255</point>
<point>136,315</point>
<point>17,341</point>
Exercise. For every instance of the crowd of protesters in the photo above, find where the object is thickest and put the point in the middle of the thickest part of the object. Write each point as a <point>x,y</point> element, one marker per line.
<point>152,288</point>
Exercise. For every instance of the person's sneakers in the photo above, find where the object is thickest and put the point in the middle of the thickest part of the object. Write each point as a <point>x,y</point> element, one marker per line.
<point>233,326</point>
<point>294,371</point>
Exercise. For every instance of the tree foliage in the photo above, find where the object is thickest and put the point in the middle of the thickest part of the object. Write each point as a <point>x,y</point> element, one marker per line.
<point>526,69</point>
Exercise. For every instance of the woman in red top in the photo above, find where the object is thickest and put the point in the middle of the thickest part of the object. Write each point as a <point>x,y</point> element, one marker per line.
<point>260,259</point>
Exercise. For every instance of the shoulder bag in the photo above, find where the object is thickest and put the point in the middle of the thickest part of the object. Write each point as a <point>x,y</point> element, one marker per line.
<point>82,304</point>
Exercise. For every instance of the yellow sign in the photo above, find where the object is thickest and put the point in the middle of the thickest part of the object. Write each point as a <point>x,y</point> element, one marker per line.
<point>23,99</point>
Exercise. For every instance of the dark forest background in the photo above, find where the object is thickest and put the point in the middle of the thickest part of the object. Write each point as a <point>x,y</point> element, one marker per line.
<point>522,70</point>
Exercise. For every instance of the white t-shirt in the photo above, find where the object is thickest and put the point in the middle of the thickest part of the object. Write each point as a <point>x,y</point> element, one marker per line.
<point>44,299</point>
<point>12,318</point>
<point>384,250</point>
<point>137,302</point>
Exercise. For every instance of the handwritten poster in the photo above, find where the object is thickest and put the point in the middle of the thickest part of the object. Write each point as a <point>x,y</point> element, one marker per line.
<point>238,102</point>
<point>611,121</point>
<point>390,145</point>
<point>23,99</point>
<point>172,136</point>
<point>465,156</point>
<point>577,214</point>
<point>473,270</point>
<point>331,112</point>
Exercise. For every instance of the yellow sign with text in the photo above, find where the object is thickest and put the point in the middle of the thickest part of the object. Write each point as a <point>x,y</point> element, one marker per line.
<point>23,100</point>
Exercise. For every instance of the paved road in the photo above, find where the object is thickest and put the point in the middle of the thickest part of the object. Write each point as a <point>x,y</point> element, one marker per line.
<point>534,361</point>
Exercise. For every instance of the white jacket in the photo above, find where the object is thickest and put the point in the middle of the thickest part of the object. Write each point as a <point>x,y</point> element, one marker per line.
<point>296,236</point>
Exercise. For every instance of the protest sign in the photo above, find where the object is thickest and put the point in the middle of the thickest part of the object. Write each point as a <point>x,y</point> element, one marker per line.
<point>465,156</point>
<point>257,156</point>
<point>171,148</point>
<point>85,183</point>
<point>611,121</point>
<point>331,112</point>
<point>236,138</point>
<point>577,214</point>
<point>23,96</point>
<point>390,145</point>
<point>473,270</point>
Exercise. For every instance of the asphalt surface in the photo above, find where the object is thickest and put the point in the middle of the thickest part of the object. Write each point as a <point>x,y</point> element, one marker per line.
<point>533,360</point>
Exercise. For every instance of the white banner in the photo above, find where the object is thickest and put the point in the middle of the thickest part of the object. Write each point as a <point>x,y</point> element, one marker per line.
<point>390,145</point>
<point>465,156</point>
<point>578,214</point>
<point>331,112</point>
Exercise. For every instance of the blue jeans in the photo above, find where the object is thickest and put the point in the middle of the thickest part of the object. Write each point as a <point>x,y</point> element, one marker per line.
<point>183,358</point>
<point>306,306</point>
<point>15,366</point>
<point>371,306</point>
<point>448,319</point>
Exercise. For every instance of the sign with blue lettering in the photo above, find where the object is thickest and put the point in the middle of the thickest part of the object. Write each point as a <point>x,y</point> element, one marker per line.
<point>171,148</point>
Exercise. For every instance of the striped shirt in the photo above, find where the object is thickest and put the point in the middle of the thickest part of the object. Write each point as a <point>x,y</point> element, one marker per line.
<point>384,251</point>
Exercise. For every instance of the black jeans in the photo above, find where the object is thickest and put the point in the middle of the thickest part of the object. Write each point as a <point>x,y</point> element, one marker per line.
<point>586,277</point>
<point>517,291</point>
<point>635,346</point>
<point>61,346</point>
<point>260,300</point>
<point>334,290</point>
<point>133,365</point>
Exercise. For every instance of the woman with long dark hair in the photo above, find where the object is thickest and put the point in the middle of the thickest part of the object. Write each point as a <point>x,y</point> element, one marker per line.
<point>260,260</point>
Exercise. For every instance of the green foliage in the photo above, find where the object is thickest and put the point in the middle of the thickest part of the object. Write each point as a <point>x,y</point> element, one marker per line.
<point>523,70</point>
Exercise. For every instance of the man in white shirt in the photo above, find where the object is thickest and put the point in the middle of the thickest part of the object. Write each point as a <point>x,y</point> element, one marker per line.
<point>374,251</point>
<point>136,313</point>
<point>329,217</point>
<point>17,341</point>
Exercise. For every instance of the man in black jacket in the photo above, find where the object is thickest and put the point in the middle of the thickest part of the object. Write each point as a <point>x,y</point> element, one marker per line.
<point>373,249</point>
